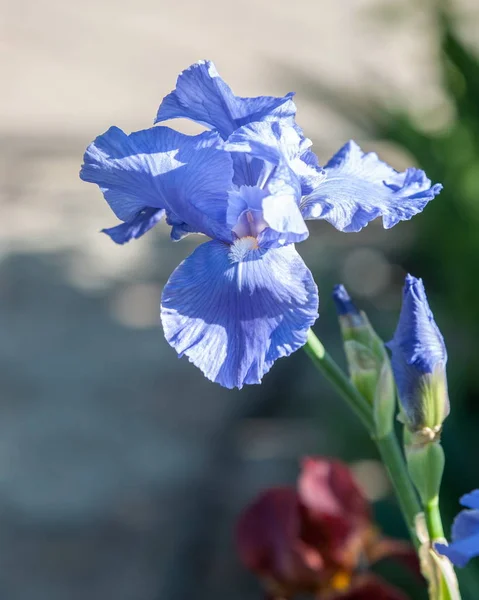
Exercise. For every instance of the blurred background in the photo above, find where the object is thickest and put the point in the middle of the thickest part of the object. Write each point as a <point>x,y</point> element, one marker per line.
<point>122,470</point>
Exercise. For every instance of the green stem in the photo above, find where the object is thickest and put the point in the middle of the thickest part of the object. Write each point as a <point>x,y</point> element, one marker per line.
<point>388,445</point>
<point>447,586</point>
<point>433,520</point>
<point>392,457</point>
<point>323,361</point>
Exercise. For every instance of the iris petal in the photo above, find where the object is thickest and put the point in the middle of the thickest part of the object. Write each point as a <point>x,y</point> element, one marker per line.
<point>465,525</point>
<point>471,500</point>
<point>269,141</point>
<point>279,141</point>
<point>202,96</point>
<point>281,210</point>
<point>121,167</point>
<point>272,215</point>
<point>135,227</point>
<point>358,187</point>
<point>461,552</point>
<point>234,319</point>
<point>465,533</point>
<point>188,176</point>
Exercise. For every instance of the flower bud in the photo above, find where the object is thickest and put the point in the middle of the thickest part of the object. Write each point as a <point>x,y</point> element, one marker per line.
<point>368,362</point>
<point>419,364</point>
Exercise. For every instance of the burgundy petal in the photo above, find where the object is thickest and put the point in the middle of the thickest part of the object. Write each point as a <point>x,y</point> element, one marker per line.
<point>335,514</point>
<point>327,487</point>
<point>269,544</point>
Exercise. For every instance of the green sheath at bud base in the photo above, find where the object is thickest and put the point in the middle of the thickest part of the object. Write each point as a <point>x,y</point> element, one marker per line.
<point>426,466</point>
<point>434,404</point>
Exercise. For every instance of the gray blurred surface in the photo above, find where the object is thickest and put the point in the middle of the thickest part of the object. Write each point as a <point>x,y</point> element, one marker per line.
<point>121,468</point>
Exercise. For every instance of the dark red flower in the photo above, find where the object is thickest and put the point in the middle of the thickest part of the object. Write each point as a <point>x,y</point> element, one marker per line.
<point>335,514</point>
<point>312,539</point>
<point>270,544</point>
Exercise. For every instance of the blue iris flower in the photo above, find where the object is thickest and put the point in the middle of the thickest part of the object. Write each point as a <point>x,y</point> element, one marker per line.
<point>465,533</point>
<point>419,361</point>
<point>245,298</point>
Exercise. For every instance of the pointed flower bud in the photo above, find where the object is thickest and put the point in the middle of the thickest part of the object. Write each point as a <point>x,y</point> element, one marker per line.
<point>368,362</point>
<point>419,364</point>
<point>345,306</point>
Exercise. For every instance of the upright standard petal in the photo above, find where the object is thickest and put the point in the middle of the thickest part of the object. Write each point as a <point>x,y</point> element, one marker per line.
<point>202,96</point>
<point>160,169</point>
<point>358,187</point>
<point>279,142</point>
<point>419,361</point>
<point>234,313</point>
<point>465,533</point>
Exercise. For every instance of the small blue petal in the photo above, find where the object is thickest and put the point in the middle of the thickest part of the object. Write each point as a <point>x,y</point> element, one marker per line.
<point>461,552</point>
<point>417,348</point>
<point>358,187</point>
<point>343,302</point>
<point>235,313</point>
<point>202,96</point>
<point>135,227</point>
<point>188,176</point>
<point>465,535</point>
<point>470,500</point>
<point>465,525</point>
